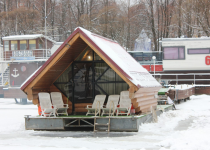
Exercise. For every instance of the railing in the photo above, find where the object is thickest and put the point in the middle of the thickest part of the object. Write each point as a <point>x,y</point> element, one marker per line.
<point>192,78</point>
<point>146,57</point>
<point>26,55</point>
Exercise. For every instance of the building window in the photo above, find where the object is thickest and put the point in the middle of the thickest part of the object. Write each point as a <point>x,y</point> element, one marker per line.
<point>173,53</point>
<point>6,45</point>
<point>199,51</point>
<point>40,44</point>
<point>32,44</point>
<point>22,45</point>
<point>13,45</point>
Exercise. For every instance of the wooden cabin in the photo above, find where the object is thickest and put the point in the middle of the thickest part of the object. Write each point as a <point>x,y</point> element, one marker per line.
<point>86,65</point>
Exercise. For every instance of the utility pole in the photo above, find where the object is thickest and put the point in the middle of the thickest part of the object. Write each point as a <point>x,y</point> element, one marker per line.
<point>45,30</point>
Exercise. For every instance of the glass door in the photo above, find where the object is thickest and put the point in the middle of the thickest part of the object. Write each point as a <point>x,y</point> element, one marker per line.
<point>82,79</point>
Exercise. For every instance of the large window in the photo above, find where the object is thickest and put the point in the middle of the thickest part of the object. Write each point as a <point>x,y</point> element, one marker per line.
<point>173,53</point>
<point>13,45</point>
<point>32,44</point>
<point>199,51</point>
<point>6,45</point>
<point>23,45</point>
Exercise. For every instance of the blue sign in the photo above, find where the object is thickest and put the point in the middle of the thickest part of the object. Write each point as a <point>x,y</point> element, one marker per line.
<point>23,58</point>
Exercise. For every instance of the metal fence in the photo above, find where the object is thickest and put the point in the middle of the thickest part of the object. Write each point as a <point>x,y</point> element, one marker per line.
<point>188,78</point>
<point>147,57</point>
<point>26,54</point>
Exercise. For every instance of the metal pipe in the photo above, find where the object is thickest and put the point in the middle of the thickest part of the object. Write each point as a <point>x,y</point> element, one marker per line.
<point>194,79</point>
<point>45,30</point>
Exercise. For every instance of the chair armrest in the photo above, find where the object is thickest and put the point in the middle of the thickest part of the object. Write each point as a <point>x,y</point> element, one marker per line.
<point>89,106</point>
<point>66,105</point>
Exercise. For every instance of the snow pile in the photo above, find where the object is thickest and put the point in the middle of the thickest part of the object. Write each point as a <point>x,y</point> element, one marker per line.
<point>186,128</point>
<point>182,86</point>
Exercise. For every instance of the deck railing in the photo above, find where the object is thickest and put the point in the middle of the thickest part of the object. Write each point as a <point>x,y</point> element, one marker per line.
<point>188,78</point>
<point>26,54</point>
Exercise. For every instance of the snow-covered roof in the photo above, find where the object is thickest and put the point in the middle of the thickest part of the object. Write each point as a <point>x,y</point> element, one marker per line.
<point>137,74</point>
<point>26,37</point>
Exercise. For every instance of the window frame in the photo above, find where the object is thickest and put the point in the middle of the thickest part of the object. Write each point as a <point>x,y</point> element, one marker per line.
<point>20,44</point>
<point>197,49</point>
<point>8,46</point>
<point>178,52</point>
<point>31,44</point>
<point>14,47</point>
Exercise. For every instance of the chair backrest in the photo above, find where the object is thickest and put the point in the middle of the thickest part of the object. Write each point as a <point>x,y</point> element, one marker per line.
<point>57,99</point>
<point>45,100</point>
<point>112,99</point>
<point>125,101</point>
<point>100,99</point>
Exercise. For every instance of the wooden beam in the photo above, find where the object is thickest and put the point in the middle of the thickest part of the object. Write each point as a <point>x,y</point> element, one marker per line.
<point>35,101</point>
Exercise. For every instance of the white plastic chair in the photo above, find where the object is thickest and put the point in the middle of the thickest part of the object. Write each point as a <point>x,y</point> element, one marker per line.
<point>97,105</point>
<point>111,105</point>
<point>57,100</point>
<point>125,103</point>
<point>46,106</point>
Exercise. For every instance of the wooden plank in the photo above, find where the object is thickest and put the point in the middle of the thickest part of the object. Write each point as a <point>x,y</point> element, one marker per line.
<point>148,90</point>
<point>30,97</point>
<point>69,111</point>
<point>149,105</point>
<point>143,94</point>
<point>139,99</point>
<point>80,110</point>
<point>143,103</point>
<point>82,105</point>
<point>35,101</point>
<point>138,109</point>
<point>133,101</point>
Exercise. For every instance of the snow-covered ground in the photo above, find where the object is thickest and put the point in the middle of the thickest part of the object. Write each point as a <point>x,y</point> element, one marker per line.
<point>187,128</point>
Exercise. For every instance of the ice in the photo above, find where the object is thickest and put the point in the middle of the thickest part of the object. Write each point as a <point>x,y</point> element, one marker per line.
<point>186,128</point>
<point>142,43</point>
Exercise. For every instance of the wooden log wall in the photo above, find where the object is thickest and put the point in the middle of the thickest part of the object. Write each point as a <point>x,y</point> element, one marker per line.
<point>144,99</point>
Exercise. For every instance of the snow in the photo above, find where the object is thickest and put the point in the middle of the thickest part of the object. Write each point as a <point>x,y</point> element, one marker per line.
<point>27,37</point>
<point>182,86</point>
<point>22,37</point>
<point>186,128</point>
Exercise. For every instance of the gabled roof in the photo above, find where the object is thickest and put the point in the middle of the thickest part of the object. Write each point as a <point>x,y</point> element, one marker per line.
<point>26,37</point>
<point>115,55</point>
